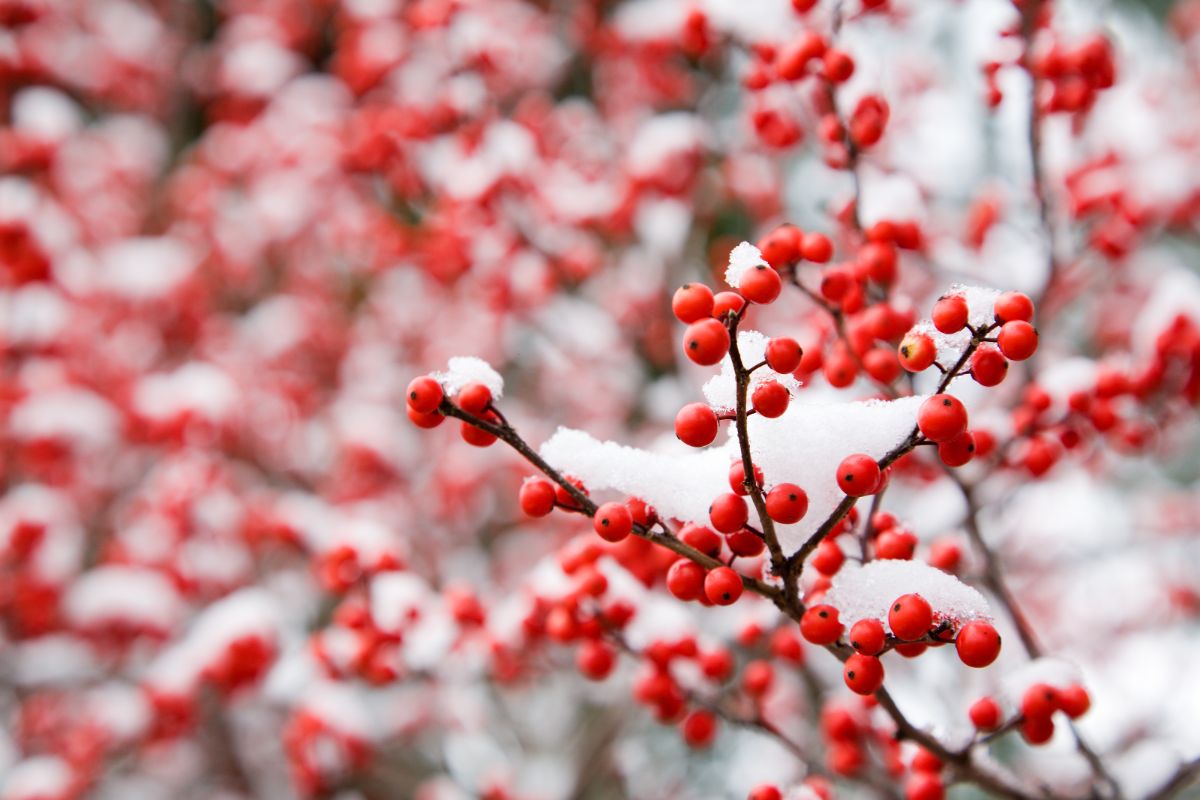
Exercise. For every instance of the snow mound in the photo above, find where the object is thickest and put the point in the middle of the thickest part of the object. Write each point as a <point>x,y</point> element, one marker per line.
<point>463,370</point>
<point>744,257</point>
<point>868,591</point>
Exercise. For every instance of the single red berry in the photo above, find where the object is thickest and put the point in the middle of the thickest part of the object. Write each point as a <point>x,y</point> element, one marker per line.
<point>745,543</point>
<point>1074,700</point>
<point>911,649</point>
<point>838,66</point>
<point>476,436</point>
<point>536,497</point>
<point>787,503</point>
<point>785,645</point>
<point>839,369</point>
<point>783,355</point>
<point>699,729</point>
<point>896,544</point>
<point>770,398</point>
<point>564,498</point>
<point>737,477</point>
<point>828,558</point>
<point>1039,700</point>
<point>863,674</point>
<point>945,554</point>
<point>692,302</point>
<point>613,522</point>
<point>723,586</point>
<point>696,424</point>
<point>765,791</point>
<point>957,451</point>
<point>817,248</point>
<point>757,677</point>
<point>858,475</point>
<point>846,759</point>
<point>474,398</point>
<point>917,352</point>
<point>924,786</point>
<point>717,665</point>
<point>706,342</point>
<point>685,579</point>
<point>867,636</point>
<point>430,420</point>
<point>910,617</point>
<point>424,394</point>
<point>1037,730</point>
<point>838,723</point>
<point>978,644</point>
<point>880,260</point>
<point>728,513</point>
<point>760,284</point>
<point>985,714</point>
<point>950,313</point>
<point>820,624</point>
<point>941,417</point>
<point>595,660</point>
<point>781,246</point>
<point>725,303</point>
<point>1017,340</point>
<point>701,538</point>
<point>835,283</point>
<point>1013,306</point>
<point>988,366</point>
<point>881,364</point>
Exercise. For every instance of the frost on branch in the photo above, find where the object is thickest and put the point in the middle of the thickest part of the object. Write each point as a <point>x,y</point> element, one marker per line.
<point>744,257</point>
<point>463,370</point>
<point>868,591</point>
<point>804,446</point>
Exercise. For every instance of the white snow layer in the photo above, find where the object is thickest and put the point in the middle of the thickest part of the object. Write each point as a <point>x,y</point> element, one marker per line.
<point>868,591</point>
<point>721,390</point>
<point>743,258</point>
<point>462,370</point>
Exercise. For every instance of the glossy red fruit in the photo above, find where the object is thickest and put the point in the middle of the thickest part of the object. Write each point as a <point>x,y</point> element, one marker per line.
<point>685,579</point>
<point>881,364</point>
<point>978,644</point>
<point>787,503</point>
<point>941,417</point>
<point>613,522</point>
<point>1074,700</point>
<point>988,366</point>
<point>863,674</point>
<point>858,475</point>
<point>765,791</point>
<point>846,759</point>
<point>924,786</point>
<point>728,513</point>
<point>917,352</point>
<point>536,497</point>
<point>957,451</point>
<point>783,355</point>
<point>910,617</point>
<point>692,302</point>
<point>950,313</point>
<point>785,645</point>
<point>595,660</point>
<point>897,544</point>
<point>701,538</point>
<point>985,714</point>
<point>945,554</point>
<point>717,665</point>
<point>474,398</point>
<point>1037,730</point>
<point>476,436</point>
<point>1039,700</point>
<point>867,636</point>
<point>835,283</point>
<point>839,369</point>
<point>781,246</point>
<point>817,248</point>
<point>820,624</point>
<point>722,586</point>
<point>430,420</point>
<point>760,284</point>
<point>696,424</point>
<point>424,394</point>
<point>770,398</point>
<point>699,729</point>
<point>737,477</point>
<point>880,261</point>
<point>725,303</point>
<point>745,543</point>
<point>757,677</point>
<point>1013,306</point>
<point>706,342</point>
<point>838,66</point>
<point>925,761</point>
<point>1017,340</point>
<point>828,558</point>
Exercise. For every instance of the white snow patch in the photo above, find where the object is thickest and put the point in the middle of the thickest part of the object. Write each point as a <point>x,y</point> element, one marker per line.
<point>38,777</point>
<point>721,390</point>
<point>868,591</point>
<point>743,258</point>
<point>469,369</point>
<point>123,594</point>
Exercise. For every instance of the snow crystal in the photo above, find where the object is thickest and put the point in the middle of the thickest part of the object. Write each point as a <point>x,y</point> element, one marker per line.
<point>721,390</point>
<point>127,594</point>
<point>38,777</point>
<point>469,369</point>
<point>744,257</point>
<point>868,591</point>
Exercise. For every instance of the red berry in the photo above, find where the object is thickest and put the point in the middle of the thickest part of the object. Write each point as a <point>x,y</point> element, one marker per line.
<point>1037,730</point>
<point>1074,700</point>
<point>1018,340</point>
<point>781,246</point>
<point>845,759</point>
<point>613,522</point>
<point>692,302</point>
<point>817,248</point>
<point>858,475</point>
<point>476,436</point>
<point>910,617</point>
<point>765,791</point>
<point>787,503</point>
<point>1013,306</point>
<point>838,723</point>
<point>839,369</point>
<point>757,677</point>
<point>717,665</point>
<point>941,417</point>
<point>985,714</point>
<point>950,313</point>
<point>880,261</point>
<point>828,558</point>
<point>957,451</point>
<point>1039,700</point>
<point>424,394</point>
<point>783,355</point>
<point>737,477</point>
<point>945,554</point>
<point>917,352</point>
<point>978,644</point>
<point>820,624</point>
<point>685,579</point>
<point>760,284</point>
<point>924,786</point>
<point>725,303</point>
<point>595,660</point>
<point>896,544</point>
<point>706,342</point>
<point>988,366</point>
<point>699,729</point>
<point>474,398</point>
<point>430,420</point>
<point>863,674</point>
<point>728,513</point>
<point>745,543</point>
<point>723,586</point>
<point>696,424</point>
<point>836,283</point>
<point>770,398</point>
<point>881,364</point>
<point>701,538</point>
<point>867,636</point>
<point>785,645</point>
<point>838,66</point>
<point>536,497</point>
